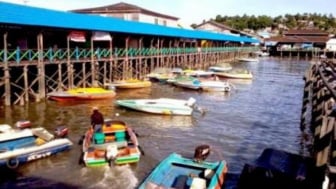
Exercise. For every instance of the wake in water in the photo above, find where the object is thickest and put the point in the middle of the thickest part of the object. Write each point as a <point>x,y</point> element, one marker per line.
<point>117,177</point>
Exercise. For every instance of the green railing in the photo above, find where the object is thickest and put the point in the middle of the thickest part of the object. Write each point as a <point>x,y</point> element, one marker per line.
<point>30,55</point>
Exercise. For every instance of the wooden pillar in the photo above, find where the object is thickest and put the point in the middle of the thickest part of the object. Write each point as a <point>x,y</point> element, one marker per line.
<point>152,59</point>
<point>156,54</point>
<point>160,53</point>
<point>60,82</point>
<point>184,56</point>
<point>40,67</point>
<point>111,60</point>
<point>126,62</point>
<point>94,61</point>
<point>6,74</point>
<point>26,85</point>
<point>69,70</point>
<point>142,68</point>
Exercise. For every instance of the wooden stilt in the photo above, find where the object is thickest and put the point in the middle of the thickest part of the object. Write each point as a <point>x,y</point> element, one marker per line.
<point>6,74</point>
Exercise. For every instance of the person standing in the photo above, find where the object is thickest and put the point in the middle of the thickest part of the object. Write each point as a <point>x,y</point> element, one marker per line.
<point>97,120</point>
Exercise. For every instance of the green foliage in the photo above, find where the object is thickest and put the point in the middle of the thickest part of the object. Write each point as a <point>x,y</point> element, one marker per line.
<point>297,21</point>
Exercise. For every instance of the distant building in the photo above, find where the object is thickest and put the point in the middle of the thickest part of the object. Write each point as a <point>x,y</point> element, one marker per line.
<point>131,12</point>
<point>331,45</point>
<point>216,27</point>
<point>300,39</point>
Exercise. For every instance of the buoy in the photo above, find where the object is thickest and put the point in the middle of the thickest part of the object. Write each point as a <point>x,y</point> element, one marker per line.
<point>23,124</point>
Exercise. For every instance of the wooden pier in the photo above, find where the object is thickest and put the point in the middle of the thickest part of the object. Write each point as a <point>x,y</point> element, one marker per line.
<point>318,116</point>
<point>29,74</point>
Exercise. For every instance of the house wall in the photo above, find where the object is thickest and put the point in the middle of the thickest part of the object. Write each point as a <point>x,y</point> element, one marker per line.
<point>157,20</point>
<point>331,45</point>
<point>144,18</point>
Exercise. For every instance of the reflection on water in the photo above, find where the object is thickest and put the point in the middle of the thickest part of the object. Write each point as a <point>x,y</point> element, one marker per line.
<point>264,113</point>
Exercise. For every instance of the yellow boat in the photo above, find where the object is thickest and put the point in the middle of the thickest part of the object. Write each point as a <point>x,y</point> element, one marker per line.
<point>91,93</point>
<point>131,84</point>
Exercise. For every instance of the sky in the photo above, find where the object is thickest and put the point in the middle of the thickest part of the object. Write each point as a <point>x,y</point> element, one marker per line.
<point>195,11</point>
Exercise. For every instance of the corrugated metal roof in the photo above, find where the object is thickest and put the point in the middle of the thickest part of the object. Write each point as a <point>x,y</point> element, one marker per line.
<point>25,15</point>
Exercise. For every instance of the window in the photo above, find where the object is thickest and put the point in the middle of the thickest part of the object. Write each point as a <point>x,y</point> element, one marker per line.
<point>135,17</point>
<point>165,22</point>
<point>156,21</point>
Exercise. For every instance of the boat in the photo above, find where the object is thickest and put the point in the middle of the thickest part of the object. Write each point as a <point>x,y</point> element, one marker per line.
<point>165,106</point>
<point>261,54</point>
<point>198,73</point>
<point>162,74</point>
<point>213,84</point>
<point>248,59</point>
<point>220,86</point>
<point>91,93</point>
<point>117,144</point>
<point>176,171</point>
<point>19,146</point>
<point>130,84</point>
<point>236,74</point>
<point>221,67</point>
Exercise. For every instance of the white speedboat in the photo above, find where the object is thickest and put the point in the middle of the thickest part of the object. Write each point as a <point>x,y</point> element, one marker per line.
<point>205,84</point>
<point>221,67</point>
<point>166,106</point>
<point>248,59</point>
<point>221,86</point>
<point>21,146</point>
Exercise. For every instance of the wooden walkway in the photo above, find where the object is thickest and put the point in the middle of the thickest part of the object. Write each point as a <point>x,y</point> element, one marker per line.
<point>319,114</point>
<point>28,75</point>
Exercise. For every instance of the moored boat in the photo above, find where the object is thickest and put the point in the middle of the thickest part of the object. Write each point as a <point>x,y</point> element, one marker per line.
<point>117,143</point>
<point>248,59</point>
<point>91,93</point>
<point>197,73</point>
<point>165,106</point>
<point>176,171</point>
<point>213,84</point>
<point>235,74</point>
<point>131,84</point>
<point>221,67</point>
<point>25,145</point>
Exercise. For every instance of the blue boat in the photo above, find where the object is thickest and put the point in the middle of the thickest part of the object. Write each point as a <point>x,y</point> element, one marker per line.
<point>21,146</point>
<point>176,171</point>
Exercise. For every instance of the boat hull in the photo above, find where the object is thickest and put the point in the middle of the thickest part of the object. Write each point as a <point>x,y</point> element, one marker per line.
<point>158,106</point>
<point>176,171</point>
<point>234,75</point>
<point>132,84</point>
<point>81,94</point>
<point>116,133</point>
<point>14,158</point>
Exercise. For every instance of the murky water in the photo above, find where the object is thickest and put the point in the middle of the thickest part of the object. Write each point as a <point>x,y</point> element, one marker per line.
<point>263,113</point>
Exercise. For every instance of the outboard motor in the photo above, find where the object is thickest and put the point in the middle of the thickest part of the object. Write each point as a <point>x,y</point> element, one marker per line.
<point>201,152</point>
<point>111,151</point>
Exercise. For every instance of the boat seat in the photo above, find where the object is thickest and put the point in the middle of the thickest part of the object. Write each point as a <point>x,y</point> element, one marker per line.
<point>181,182</point>
<point>198,183</point>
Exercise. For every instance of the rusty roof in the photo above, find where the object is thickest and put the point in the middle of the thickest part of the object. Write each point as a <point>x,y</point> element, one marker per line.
<point>300,39</point>
<point>122,8</point>
<point>307,32</point>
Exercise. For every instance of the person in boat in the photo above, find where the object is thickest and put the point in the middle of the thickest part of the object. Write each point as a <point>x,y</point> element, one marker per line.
<point>97,120</point>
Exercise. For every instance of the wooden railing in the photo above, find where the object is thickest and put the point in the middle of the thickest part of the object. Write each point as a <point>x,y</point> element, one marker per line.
<point>49,55</point>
